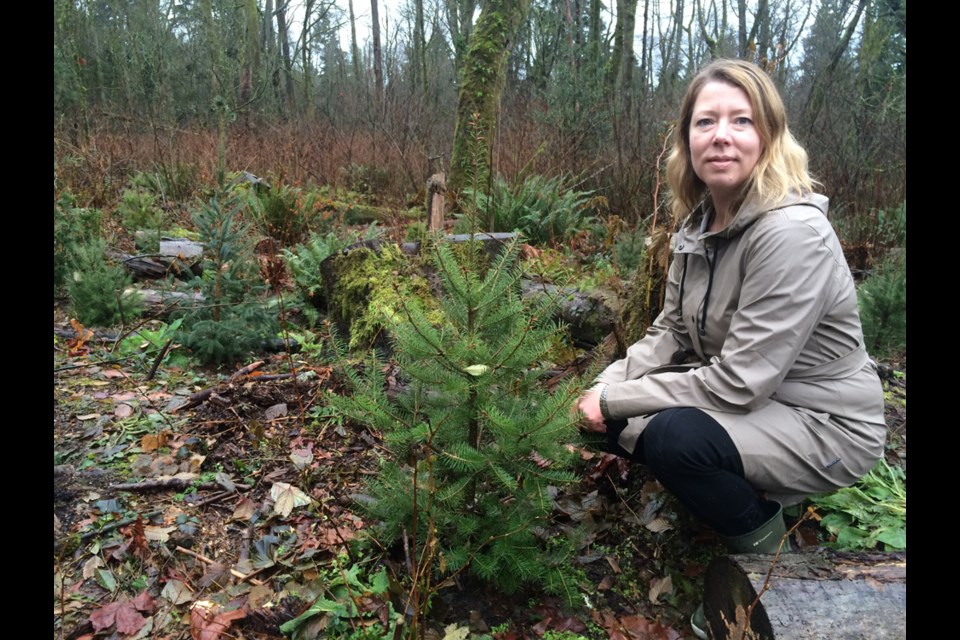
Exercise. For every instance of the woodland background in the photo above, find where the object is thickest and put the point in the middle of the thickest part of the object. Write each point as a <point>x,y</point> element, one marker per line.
<point>204,483</point>
<point>155,85</point>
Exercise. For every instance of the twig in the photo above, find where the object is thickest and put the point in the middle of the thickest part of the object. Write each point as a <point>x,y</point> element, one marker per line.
<point>217,497</point>
<point>243,577</point>
<point>158,359</point>
<point>119,523</point>
<point>253,366</point>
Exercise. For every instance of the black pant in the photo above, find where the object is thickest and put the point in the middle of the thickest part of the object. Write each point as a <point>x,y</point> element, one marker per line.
<point>696,460</point>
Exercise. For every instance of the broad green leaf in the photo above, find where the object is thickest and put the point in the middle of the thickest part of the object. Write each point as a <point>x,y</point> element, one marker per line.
<point>106,580</point>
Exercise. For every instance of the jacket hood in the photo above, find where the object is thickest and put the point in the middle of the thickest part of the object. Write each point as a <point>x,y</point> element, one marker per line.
<point>750,211</point>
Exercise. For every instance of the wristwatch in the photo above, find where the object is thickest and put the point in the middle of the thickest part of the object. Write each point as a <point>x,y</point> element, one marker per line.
<point>603,402</point>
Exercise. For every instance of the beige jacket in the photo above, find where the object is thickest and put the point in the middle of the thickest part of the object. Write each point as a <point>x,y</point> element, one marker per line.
<point>768,310</point>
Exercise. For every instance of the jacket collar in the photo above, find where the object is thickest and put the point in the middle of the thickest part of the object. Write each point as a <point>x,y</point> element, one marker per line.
<point>750,211</point>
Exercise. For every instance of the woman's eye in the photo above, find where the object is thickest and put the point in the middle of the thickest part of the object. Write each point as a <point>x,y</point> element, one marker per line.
<point>703,122</point>
<point>743,121</point>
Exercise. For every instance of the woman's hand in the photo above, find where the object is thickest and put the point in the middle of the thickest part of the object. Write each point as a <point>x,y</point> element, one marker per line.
<point>589,406</point>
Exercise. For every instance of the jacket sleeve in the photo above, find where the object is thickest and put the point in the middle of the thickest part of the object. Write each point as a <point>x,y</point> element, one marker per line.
<point>662,339</point>
<point>787,278</point>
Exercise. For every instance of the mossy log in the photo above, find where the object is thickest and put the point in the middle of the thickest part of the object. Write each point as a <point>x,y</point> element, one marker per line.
<point>810,595</point>
<point>349,280</point>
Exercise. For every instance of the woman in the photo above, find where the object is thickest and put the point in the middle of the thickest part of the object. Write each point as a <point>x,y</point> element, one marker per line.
<point>752,389</point>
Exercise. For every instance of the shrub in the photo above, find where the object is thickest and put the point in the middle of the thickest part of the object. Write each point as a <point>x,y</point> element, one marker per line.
<point>279,213</point>
<point>474,440</point>
<point>72,226</point>
<point>96,288</point>
<point>882,299</point>
<point>233,321</point>
<point>138,209</point>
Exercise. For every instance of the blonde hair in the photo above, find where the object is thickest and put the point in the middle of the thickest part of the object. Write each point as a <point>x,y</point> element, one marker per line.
<point>782,166</point>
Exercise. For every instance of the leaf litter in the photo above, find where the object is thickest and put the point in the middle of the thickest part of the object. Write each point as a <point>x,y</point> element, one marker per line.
<point>268,496</point>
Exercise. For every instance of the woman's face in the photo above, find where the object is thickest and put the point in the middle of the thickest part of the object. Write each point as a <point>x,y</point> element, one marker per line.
<point>724,144</point>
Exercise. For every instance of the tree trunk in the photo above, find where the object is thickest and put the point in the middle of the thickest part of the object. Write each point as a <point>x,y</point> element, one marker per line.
<point>284,38</point>
<point>815,595</point>
<point>307,63</point>
<point>354,48</point>
<point>377,53</point>
<point>822,80</point>
<point>419,50</point>
<point>460,22</point>
<point>481,85</point>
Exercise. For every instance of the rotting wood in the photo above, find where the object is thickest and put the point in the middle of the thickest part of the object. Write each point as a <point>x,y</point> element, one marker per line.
<point>174,484</point>
<point>436,200</point>
<point>821,594</point>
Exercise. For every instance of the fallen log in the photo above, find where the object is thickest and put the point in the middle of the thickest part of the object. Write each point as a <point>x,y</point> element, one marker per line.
<point>821,594</point>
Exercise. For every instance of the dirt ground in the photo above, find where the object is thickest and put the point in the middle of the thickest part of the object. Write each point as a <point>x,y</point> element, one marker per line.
<point>124,526</point>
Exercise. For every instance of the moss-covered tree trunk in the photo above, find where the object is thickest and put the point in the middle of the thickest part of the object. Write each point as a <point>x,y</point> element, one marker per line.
<point>481,83</point>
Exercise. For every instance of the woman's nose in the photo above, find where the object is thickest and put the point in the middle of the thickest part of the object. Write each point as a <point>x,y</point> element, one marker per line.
<point>722,133</point>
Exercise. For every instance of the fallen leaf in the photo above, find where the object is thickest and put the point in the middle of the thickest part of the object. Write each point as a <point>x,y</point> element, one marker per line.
<point>90,567</point>
<point>659,525</point>
<point>613,563</point>
<point>123,613</point>
<point>605,584</point>
<point>225,481</point>
<point>276,411</point>
<point>123,411</point>
<point>158,534</point>
<point>207,622</point>
<point>114,373</point>
<point>144,602</point>
<point>658,587</point>
<point>152,442</point>
<point>88,416</point>
<point>244,510</point>
<point>640,627</point>
<point>301,458</point>
<point>286,497</point>
<point>176,592</point>
<point>106,580</point>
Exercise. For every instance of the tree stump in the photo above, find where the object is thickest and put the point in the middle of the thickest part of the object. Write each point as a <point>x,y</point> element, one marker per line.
<point>437,201</point>
<point>823,594</point>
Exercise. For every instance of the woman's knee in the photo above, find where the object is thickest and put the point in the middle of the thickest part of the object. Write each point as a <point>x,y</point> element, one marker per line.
<point>687,437</point>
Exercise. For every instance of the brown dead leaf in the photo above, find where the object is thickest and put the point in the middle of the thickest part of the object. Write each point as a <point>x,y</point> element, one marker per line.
<point>123,613</point>
<point>659,525</point>
<point>614,565</point>
<point>207,622</point>
<point>606,583</point>
<point>144,602</point>
<point>123,411</point>
<point>276,411</point>
<point>152,442</point>
<point>244,510</point>
<point>640,628</point>
<point>658,587</point>
<point>114,373</point>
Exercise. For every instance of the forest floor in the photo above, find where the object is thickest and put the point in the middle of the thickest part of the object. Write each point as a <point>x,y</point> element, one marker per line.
<point>226,516</point>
